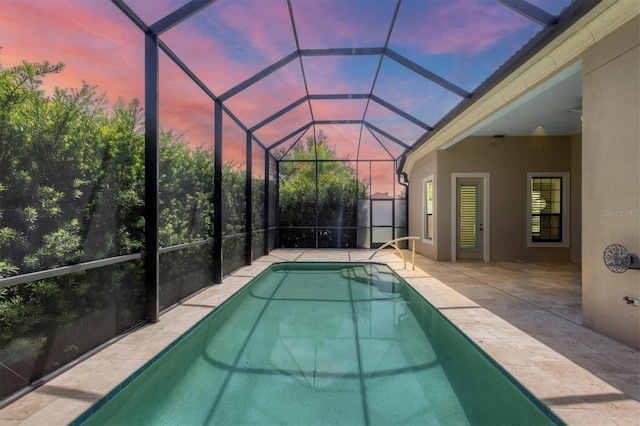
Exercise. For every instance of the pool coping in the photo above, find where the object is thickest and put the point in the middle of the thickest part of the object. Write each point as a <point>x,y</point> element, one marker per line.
<point>67,396</point>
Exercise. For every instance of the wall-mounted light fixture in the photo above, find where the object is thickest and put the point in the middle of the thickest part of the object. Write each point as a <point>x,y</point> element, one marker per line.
<point>539,131</point>
<point>496,140</point>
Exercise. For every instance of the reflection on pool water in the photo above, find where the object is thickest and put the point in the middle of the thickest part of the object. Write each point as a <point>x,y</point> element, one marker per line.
<point>322,343</point>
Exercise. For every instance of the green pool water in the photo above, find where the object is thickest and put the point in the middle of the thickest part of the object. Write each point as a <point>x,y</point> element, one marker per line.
<point>321,343</point>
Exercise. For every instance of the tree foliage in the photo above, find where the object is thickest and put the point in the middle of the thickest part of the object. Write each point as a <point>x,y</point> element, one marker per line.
<point>326,188</point>
<point>72,191</point>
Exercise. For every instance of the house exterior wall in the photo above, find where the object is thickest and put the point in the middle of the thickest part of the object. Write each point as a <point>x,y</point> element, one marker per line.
<point>508,164</point>
<point>604,161</point>
<point>576,199</point>
<point>424,168</point>
<point>611,180</point>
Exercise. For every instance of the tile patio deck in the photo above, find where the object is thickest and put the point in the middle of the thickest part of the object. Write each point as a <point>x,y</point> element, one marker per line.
<point>526,316</point>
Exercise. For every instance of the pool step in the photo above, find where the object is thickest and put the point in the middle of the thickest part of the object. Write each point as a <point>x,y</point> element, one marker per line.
<point>348,273</point>
<point>373,275</point>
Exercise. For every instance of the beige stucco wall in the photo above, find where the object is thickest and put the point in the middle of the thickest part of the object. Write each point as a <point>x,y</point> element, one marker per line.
<point>425,167</point>
<point>576,198</point>
<point>508,164</point>
<point>611,180</point>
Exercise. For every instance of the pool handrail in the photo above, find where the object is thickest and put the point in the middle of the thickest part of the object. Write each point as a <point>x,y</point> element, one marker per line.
<point>392,243</point>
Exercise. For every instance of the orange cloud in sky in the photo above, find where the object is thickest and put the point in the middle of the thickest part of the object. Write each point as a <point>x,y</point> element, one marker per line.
<point>283,126</point>
<point>269,95</point>
<point>153,11</point>
<point>101,46</point>
<point>95,41</point>
<point>230,41</point>
<point>371,148</point>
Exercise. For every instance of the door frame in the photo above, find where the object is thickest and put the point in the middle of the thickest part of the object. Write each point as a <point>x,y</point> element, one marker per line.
<point>486,179</point>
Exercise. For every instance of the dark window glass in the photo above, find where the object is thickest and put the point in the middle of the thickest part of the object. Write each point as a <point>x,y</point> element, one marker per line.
<point>546,209</point>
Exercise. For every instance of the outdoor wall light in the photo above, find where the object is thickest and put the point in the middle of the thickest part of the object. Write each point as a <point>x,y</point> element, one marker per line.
<point>618,259</point>
<point>496,140</point>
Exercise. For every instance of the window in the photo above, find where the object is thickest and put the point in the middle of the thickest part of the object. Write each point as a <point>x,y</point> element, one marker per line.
<point>428,225</point>
<point>548,223</point>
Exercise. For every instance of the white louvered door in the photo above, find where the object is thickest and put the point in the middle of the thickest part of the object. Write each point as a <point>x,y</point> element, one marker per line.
<point>469,218</point>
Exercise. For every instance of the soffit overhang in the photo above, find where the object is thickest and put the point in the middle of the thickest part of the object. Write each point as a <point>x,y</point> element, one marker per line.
<point>561,53</point>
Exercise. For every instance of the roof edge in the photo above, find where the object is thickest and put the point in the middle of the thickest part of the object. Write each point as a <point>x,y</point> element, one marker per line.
<point>562,51</point>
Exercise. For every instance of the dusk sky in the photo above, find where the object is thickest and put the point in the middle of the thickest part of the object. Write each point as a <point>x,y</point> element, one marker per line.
<point>463,41</point>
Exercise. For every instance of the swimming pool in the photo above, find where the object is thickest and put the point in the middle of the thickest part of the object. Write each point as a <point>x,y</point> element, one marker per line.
<point>321,343</point>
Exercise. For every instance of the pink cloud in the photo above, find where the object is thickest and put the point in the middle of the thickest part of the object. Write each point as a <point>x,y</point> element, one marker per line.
<point>382,177</point>
<point>336,23</point>
<point>205,57</point>
<point>234,143</point>
<point>94,40</point>
<point>393,124</point>
<point>351,109</point>
<point>257,157</point>
<point>342,138</point>
<point>192,117</point>
<point>427,101</point>
<point>457,26</point>
<point>340,74</point>
<point>228,42</point>
<point>285,147</point>
<point>152,11</point>
<point>370,149</point>
<point>100,45</point>
<point>284,125</point>
<point>265,26</point>
<point>269,95</point>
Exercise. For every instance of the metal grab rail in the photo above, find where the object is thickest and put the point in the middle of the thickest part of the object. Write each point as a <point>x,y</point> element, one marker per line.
<point>393,244</point>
